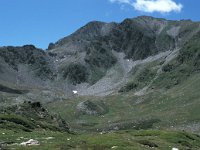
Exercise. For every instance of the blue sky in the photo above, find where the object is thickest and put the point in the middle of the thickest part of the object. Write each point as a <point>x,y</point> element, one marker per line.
<point>40,22</point>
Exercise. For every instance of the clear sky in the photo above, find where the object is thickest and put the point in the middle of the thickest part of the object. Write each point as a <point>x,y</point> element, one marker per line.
<point>40,22</point>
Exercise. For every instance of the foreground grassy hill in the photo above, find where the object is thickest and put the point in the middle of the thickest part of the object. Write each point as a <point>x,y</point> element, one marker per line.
<point>122,140</point>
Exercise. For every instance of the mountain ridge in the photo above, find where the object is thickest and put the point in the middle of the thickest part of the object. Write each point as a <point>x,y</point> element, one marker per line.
<point>97,47</point>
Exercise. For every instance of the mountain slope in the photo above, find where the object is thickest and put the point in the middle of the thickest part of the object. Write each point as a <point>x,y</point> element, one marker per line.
<point>25,65</point>
<point>133,39</point>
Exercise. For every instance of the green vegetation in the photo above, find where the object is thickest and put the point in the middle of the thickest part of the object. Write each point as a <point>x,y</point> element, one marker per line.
<point>177,107</point>
<point>98,56</point>
<point>159,110</point>
<point>190,53</point>
<point>186,64</point>
<point>133,39</point>
<point>10,90</point>
<point>123,140</point>
<point>91,108</point>
<point>128,87</point>
<point>29,117</point>
<point>96,74</point>
<point>141,76</point>
<point>76,73</point>
<point>99,59</point>
<point>187,30</point>
<point>17,120</point>
<point>164,41</point>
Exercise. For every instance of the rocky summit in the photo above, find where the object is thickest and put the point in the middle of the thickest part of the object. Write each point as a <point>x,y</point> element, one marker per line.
<point>138,79</point>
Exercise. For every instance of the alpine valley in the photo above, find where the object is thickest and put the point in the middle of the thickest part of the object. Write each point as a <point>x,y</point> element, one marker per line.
<point>130,85</point>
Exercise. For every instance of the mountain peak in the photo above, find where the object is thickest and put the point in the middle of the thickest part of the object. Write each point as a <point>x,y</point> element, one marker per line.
<point>148,18</point>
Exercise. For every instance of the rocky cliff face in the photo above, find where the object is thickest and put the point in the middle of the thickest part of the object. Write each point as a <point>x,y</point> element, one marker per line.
<point>26,65</point>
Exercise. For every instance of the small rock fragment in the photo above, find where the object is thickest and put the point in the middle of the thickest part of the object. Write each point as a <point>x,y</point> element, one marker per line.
<point>30,143</point>
<point>114,147</point>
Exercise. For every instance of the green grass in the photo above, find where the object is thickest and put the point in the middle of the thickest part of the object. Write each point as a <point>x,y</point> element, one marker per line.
<point>126,139</point>
<point>172,108</point>
<point>19,120</point>
<point>76,73</point>
<point>141,76</point>
<point>29,117</point>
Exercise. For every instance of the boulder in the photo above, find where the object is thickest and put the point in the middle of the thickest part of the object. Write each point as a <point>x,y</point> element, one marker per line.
<point>91,108</point>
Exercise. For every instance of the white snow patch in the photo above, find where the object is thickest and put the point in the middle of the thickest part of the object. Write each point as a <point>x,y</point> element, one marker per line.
<point>75,92</point>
